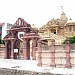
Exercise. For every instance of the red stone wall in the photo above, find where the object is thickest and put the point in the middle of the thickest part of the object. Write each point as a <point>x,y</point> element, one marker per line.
<point>62,59</point>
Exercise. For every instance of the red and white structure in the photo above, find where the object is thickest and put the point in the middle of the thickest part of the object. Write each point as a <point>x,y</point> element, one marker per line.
<point>55,56</point>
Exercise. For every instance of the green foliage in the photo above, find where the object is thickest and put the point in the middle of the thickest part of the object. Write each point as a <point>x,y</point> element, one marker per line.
<point>64,42</point>
<point>1,41</point>
<point>72,40</point>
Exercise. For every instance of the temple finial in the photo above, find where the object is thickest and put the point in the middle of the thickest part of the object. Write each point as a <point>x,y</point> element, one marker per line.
<point>62,8</point>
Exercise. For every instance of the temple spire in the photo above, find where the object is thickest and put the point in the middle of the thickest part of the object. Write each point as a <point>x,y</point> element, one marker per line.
<point>62,9</point>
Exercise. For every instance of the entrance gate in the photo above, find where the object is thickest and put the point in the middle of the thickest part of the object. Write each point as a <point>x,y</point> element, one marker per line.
<point>13,42</point>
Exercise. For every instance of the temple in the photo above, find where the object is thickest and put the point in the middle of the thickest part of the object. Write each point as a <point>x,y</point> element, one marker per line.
<point>57,28</point>
<point>24,41</point>
<point>17,42</point>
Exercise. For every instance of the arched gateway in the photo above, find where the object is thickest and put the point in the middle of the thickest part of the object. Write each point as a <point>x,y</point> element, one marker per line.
<point>13,43</point>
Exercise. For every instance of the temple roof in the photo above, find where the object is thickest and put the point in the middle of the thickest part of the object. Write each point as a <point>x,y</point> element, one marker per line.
<point>20,23</point>
<point>20,26</point>
<point>8,36</point>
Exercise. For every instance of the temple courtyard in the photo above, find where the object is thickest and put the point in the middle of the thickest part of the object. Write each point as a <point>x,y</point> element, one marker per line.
<point>31,65</point>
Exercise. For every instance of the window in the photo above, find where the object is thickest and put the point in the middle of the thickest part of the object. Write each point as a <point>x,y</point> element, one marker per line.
<point>70,28</point>
<point>74,28</point>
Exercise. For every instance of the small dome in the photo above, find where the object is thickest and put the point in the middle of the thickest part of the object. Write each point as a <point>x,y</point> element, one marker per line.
<point>33,26</point>
<point>71,21</point>
<point>63,16</point>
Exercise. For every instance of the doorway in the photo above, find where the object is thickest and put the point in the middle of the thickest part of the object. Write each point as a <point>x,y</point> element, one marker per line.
<point>53,31</point>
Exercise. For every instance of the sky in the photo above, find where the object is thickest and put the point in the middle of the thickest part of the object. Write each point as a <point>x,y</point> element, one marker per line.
<point>37,12</point>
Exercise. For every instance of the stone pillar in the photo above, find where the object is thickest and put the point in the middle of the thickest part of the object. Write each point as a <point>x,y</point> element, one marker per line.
<point>5,49</point>
<point>34,49</point>
<point>25,51</point>
<point>48,33</point>
<point>56,31</point>
<point>39,53</point>
<point>68,64</point>
<point>52,53</point>
<point>12,48</point>
<point>26,56</point>
<point>28,50</point>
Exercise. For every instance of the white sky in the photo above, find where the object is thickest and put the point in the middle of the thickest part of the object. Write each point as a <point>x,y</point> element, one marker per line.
<point>37,12</point>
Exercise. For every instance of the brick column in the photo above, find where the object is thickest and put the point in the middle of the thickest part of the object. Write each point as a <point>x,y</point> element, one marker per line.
<point>5,49</point>
<point>39,53</point>
<point>34,49</point>
<point>52,53</point>
<point>12,48</point>
<point>67,48</point>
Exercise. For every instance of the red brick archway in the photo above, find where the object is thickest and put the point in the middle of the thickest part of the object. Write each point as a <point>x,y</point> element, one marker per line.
<point>12,39</point>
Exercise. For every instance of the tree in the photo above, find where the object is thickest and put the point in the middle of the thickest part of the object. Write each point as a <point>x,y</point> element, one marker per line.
<point>1,41</point>
<point>72,40</point>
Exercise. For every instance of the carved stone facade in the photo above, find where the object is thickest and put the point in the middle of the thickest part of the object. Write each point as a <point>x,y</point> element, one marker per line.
<point>57,29</point>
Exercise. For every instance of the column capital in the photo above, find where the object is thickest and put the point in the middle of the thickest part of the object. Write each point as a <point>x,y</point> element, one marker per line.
<point>13,40</point>
<point>25,39</point>
<point>34,38</point>
<point>6,41</point>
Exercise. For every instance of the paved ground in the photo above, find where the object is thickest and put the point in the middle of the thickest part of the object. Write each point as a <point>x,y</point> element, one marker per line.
<point>32,66</point>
